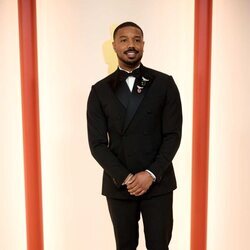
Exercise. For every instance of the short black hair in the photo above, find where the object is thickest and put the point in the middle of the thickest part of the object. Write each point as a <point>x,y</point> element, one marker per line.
<point>126,24</point>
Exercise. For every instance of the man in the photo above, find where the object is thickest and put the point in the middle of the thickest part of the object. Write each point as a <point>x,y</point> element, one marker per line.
<point>134,127</point>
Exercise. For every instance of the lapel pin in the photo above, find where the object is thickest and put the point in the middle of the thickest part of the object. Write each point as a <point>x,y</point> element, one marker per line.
<point>142,84</point>
<point>144,81</point>
<point>139,89</point>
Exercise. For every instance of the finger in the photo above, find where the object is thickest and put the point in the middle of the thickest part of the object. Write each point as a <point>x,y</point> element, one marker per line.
<point>131,180</point>
<point>132,185</point>
<point>134,189</point>
<point>140,193</point>
<point>137,191</point>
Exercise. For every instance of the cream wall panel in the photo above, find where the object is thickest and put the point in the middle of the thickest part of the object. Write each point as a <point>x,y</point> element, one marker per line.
<point>74,53</point>
<point>229,193</point>
<point>12,208</point>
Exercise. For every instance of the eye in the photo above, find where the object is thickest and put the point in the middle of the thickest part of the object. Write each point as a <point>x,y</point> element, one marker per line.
<point>123,40</point>
<point>138,40</point>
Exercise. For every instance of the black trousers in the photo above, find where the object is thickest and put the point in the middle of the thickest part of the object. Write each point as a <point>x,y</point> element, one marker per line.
<point>157,218</point>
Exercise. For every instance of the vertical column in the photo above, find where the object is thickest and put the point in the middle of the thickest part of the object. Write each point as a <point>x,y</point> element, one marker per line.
<point>30,114</point>
<point>201,114</point>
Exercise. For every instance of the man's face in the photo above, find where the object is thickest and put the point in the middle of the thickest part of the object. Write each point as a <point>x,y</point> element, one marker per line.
<point>128,45</point>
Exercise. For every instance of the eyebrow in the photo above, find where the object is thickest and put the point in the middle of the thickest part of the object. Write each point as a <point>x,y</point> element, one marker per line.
<point>123,36</point>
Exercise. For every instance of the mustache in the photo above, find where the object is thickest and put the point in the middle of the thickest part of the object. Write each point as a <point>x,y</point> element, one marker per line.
<point>131,50</point>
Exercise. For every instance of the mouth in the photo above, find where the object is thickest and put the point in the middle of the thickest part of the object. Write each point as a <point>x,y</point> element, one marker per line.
<point>131,53</point>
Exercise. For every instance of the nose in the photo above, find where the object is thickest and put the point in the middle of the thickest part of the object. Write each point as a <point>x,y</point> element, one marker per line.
<point>131,43</point>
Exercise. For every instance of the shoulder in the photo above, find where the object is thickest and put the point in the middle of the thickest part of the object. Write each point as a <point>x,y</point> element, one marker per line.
<point>102,90</point>
<point>162,80</point>
<point>155,72</point>
<point>157,75</point>
<point>104,83</point>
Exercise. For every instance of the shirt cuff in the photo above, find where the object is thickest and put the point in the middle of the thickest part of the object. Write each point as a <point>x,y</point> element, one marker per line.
<point>153,176</point>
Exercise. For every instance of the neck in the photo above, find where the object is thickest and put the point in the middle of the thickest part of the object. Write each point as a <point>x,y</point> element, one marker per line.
<point>129,68</point>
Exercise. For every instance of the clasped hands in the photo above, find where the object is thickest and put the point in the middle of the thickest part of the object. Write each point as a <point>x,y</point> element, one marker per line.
<point>139,183</point>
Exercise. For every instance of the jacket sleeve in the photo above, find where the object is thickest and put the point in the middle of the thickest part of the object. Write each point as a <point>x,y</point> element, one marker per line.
<point>171,132</point>
<point>99,143</point>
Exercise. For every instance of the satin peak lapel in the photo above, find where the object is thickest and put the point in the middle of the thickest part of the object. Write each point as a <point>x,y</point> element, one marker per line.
<point>119,89</point>
<point>123,94</point>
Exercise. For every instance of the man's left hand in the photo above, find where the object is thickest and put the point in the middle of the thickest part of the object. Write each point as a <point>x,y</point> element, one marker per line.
<point>139,183</point>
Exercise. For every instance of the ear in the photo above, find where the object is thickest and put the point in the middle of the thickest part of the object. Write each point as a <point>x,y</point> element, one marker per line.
<point>114,47</point>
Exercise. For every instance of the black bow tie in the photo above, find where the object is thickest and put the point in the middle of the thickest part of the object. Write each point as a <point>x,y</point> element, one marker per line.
<point>124,75</point>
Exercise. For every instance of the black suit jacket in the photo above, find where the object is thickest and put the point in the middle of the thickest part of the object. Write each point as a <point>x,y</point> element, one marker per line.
<point>129,133</point>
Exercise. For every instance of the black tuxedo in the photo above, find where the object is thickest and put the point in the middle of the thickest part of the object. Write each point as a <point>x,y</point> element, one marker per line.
<point>131,132</point>
<point>128,134</point>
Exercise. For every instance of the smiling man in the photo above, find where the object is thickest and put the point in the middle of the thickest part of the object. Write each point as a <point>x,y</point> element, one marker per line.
<point>134,127</point>
<point>128,45</point>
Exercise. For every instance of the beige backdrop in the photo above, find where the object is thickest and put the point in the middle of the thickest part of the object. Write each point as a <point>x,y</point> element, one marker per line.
<point>74,52</point>
<point>12,200</point>
<point>229,189</point>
